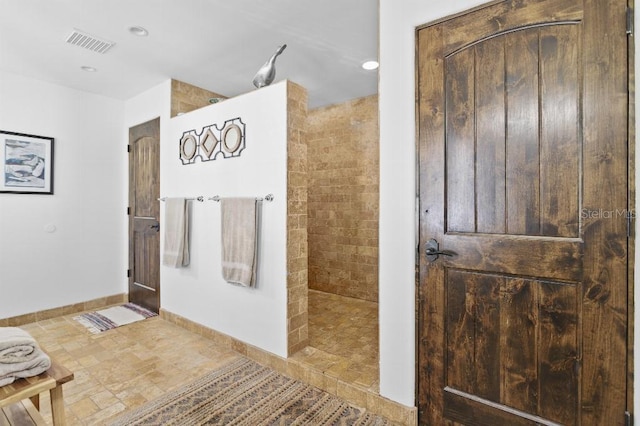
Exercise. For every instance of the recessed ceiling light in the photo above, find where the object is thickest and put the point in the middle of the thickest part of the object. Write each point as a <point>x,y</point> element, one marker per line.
<point>139,31</point>
<point>370,65</point>
<point>88,69</point>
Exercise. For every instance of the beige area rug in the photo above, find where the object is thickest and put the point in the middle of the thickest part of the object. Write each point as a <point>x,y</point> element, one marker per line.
<point>246,393</point>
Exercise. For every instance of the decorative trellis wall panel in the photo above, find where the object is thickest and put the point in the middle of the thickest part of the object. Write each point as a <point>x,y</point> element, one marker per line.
<point>213,141</point>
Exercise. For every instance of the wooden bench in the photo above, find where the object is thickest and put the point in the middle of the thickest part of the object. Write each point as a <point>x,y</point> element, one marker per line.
<point>20,401</point>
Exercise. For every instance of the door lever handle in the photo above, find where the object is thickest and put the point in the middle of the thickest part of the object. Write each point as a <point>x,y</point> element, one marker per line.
<point>432,250</point>
<point>156,227</point>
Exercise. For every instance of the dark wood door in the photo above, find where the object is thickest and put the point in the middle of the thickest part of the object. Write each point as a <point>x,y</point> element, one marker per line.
<point>522,134</point>
<point>144,215</point>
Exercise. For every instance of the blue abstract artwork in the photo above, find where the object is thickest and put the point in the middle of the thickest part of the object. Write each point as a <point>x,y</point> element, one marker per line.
<point>24,163</point>
<point>27,163</point>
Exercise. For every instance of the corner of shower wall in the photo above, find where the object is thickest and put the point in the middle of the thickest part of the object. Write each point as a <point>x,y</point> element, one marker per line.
<point>297,249</point>
<point>186,97</point>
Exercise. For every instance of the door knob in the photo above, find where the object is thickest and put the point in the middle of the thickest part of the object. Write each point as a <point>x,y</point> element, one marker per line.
<point>432,250</point>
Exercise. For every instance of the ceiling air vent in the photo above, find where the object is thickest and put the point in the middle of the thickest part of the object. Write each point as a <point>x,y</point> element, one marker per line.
<point>88,41</point>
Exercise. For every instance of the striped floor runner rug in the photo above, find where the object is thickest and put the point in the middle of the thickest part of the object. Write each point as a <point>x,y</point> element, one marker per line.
<point>245,393</point>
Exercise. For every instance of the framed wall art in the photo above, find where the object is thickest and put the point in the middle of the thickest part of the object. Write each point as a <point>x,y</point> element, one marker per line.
<point>27,163</point>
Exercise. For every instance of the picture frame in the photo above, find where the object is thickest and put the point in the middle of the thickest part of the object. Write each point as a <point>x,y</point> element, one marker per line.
<point>27,163</point>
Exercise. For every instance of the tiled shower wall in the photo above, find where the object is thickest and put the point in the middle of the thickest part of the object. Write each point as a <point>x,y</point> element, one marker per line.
<point>343,164</point>
<point>186,97</point>
<point>297,243</point>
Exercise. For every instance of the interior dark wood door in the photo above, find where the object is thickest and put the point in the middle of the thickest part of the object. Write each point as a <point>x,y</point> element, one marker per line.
<point>522,134</point>
<point>144,215</point>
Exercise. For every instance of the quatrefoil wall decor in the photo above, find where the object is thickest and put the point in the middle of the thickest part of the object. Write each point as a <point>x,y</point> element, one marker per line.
<point>213,141</point>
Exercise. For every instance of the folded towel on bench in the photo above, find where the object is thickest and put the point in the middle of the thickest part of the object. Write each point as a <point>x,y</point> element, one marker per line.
<point>16,345</point>
<point>20,355</point>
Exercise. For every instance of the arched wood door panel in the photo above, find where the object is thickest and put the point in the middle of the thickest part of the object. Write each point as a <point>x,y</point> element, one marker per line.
<point>523,145</point>
<point>144,215</point>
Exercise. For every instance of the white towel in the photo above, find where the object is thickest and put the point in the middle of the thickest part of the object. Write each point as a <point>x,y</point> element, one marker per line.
<point>38,365</point>
<point>16,345</point>
<point>239,240</point>
<point>176,233</point>
<point>20,356</point>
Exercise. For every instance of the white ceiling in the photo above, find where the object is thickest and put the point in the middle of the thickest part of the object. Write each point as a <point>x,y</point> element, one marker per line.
<point>214,44</point>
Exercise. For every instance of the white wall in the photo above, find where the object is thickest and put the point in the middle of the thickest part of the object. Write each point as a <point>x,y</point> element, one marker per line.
<point>83,258</point>
<point>397,188</point>
<point>153,103</point>
<point>86,257</point>
<point>198,292</point>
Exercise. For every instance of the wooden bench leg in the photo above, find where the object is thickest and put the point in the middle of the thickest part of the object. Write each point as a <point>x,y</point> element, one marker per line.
<point>35,400</point>
<point>57,406</point>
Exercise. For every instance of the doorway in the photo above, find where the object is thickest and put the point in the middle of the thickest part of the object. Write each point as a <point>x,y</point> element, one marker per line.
<point>144,215</point>
<point>523,157</point>
<point>342,235</point>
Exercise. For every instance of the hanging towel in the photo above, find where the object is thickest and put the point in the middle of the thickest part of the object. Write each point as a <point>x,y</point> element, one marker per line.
<point>176,233</point>
<point>239,240</point>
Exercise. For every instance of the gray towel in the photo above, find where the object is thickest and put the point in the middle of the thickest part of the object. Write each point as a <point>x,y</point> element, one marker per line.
<point>239,240</point>
<point>176,233</point>
<point>20,356</point>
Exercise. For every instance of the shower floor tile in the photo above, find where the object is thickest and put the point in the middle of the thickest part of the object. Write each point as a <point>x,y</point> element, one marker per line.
<point>343,339</point>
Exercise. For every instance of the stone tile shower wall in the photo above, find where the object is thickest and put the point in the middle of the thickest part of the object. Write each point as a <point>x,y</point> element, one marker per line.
<point>297,247</point>
<point>343,164</point>
<point>186,97</point>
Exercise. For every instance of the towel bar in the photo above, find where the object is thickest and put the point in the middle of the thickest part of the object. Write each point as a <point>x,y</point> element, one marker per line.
<point>268,197</point>
<point>199,198</point>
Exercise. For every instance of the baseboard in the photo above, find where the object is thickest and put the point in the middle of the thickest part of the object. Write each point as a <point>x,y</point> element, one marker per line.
<point>64,310</point>
<point>354,394</point>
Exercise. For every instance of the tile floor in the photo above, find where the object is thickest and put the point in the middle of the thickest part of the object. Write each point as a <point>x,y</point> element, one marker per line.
<point>343,339</point>
<point>123,368</point>
<point>126,367</point>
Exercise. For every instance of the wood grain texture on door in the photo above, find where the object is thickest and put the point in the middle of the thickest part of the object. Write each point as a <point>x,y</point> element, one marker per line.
<point>144,215</point>
<point>522,144</point>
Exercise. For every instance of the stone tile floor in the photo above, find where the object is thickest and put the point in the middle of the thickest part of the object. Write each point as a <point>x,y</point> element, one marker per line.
<point>343,339</point>
<point>126,367</point>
